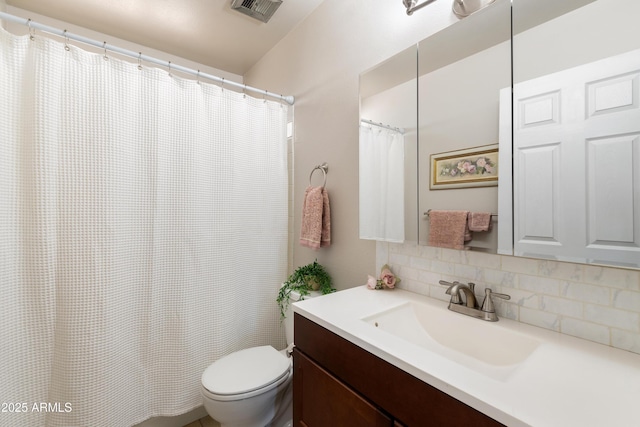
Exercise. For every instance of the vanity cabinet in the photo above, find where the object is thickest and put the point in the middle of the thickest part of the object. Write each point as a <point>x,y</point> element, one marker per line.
<point>336,383</point>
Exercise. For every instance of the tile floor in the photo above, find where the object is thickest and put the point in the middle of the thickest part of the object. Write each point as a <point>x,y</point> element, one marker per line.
<point>204,422</point>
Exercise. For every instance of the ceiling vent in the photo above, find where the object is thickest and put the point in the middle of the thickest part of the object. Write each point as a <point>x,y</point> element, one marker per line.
<point>261,10</point>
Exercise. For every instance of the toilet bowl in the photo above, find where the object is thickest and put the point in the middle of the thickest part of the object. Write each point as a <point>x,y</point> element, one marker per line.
<point>246,388</point>
<point>252,387</point>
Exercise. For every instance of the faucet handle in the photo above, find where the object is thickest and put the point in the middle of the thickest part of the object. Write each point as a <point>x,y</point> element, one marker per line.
<point>487,304</point>
<point>455,297</point>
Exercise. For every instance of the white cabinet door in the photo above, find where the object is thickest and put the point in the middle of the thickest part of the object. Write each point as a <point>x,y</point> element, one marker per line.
<point>577,163</point>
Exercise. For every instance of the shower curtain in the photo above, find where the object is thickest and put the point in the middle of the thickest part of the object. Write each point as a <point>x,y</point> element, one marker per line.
<point>381,184</point>
<point>143,234</point>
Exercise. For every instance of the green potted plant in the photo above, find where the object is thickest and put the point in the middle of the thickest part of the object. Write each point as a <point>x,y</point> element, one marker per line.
<point>310,277</point>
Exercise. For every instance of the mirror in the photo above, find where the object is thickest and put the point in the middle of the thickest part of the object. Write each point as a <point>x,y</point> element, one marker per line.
<point>553,202</point>
<point>576,132</point>
<point>461,71</point>
<point>388,150</point>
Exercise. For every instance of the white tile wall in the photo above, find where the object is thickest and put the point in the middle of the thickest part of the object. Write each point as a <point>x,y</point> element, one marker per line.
<point>600,304</point>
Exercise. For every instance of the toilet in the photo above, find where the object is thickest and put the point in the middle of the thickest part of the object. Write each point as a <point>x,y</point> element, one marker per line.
<point>253,387</point>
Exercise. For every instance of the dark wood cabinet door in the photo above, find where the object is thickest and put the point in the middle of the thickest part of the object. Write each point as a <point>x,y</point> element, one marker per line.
<point>322,400</point>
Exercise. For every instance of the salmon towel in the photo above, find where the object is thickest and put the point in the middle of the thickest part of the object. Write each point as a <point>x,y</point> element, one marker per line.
<point>315,231</point>
<point>479,221</point>
<point>448,229</point>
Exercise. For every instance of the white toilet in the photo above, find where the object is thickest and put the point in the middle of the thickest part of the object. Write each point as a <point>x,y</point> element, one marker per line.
<point>252,387</point>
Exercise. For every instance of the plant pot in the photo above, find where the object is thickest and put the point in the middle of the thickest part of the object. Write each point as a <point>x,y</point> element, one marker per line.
<point>312,283</point>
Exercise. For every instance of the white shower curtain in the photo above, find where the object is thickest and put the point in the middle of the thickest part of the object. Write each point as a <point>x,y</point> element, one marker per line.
<point>143,234</point>
<point>381,184</point>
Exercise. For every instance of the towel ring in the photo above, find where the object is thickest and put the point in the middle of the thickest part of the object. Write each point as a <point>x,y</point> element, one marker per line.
<point>324,168</point>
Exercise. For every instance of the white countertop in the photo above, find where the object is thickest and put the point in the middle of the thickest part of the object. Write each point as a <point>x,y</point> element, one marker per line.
<point>565,382</point>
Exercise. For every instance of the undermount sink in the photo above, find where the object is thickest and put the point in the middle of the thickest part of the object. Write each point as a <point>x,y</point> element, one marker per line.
<point>486,347</point>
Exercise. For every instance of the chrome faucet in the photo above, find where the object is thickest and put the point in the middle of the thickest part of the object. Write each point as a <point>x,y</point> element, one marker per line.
<point>485,312</point>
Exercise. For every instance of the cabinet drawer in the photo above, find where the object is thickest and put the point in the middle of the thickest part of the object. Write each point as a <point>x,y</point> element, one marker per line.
<point>322,400</point>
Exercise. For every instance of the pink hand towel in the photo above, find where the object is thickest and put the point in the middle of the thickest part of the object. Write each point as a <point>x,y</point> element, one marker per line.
<point>448,229</point>
<point>315,231</point>
<point>479,221</point>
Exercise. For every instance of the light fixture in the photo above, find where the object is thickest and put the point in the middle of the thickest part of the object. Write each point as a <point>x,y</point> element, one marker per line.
<point>409,4</point>
<point>464,8</point>
<point>412,5</point>
<point>461,8</point>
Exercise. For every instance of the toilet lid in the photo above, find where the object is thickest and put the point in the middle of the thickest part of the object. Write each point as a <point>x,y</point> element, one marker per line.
<point>245,370</point>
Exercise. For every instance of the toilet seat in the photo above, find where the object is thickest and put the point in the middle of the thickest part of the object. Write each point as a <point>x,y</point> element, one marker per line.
<point>246,373</point>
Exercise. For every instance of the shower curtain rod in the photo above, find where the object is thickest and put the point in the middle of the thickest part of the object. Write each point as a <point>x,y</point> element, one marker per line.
<point>382,125</point>
<point>139,56</point>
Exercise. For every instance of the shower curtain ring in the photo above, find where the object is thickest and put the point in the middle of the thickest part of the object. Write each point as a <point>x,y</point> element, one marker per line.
<point>140,61</point>
<point>66,41</point>
<point>104,46</point>
<point>32,31</point>
<point>169,68</point>
<point>222,84</point>
<point>198,77</point>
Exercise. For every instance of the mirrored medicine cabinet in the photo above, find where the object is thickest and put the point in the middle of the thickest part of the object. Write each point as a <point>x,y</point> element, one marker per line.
<point>556,87</point>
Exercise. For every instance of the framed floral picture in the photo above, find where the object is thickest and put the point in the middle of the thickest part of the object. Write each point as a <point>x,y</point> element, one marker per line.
<point>471,167</point>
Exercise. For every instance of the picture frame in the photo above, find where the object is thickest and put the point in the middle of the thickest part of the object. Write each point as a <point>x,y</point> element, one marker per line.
<point>470,167</point>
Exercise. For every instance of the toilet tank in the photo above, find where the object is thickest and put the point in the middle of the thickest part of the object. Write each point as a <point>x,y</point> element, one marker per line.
<point>288,320</point>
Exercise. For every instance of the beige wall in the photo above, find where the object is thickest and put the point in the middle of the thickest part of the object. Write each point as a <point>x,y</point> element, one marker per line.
<point>319,63</point>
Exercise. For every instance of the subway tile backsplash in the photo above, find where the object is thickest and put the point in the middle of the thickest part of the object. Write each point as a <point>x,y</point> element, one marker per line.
<point>600,304</point>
